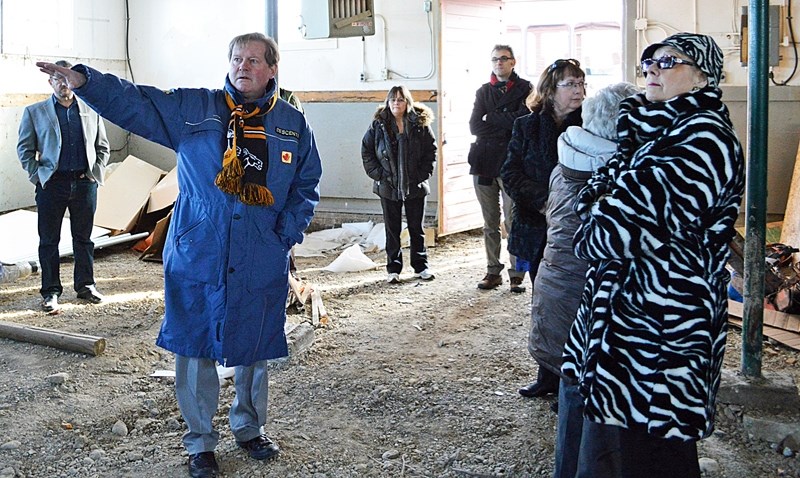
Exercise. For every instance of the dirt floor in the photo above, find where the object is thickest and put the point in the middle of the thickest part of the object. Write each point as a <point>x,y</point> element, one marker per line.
<point>415,379</point>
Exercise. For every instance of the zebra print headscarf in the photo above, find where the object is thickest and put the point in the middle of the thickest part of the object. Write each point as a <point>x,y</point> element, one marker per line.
<point>701,49</point>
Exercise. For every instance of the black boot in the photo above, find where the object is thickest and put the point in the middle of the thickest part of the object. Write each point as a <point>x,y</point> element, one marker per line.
<point>545,384</point>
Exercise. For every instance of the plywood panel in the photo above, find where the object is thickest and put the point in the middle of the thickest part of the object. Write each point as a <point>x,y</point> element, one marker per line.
<point>790,233</point>
<point>469,30</point>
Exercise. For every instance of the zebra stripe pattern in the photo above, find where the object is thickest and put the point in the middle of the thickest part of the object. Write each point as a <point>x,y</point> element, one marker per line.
<point>649,338</point>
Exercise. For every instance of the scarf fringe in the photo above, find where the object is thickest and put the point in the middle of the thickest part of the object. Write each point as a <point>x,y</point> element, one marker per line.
<point>229,178</point>
<point>256,195</point>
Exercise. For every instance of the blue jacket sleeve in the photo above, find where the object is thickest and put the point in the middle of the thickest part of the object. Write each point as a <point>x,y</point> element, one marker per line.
<point>147,111</point>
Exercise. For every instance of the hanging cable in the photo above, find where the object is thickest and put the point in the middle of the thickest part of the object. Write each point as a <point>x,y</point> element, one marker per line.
<point>432,70</point>
<point>128,65</point>
<point>127,40</point>
<point>794,45</point>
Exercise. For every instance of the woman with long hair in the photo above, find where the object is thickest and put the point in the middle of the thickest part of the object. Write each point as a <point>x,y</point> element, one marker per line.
<point>398,152</point>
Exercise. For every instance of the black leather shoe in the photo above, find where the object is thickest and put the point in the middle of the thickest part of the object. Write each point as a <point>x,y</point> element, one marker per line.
<point>516,285</point>
<point>50,303</point>
<point>89,293</point>
<point>537,389</point>
<point>260,447</point>
<point>203,465</point>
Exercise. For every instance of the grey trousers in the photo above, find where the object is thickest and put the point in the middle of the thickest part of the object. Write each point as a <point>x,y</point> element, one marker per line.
<point>489,199</point>
<point>197,391</point>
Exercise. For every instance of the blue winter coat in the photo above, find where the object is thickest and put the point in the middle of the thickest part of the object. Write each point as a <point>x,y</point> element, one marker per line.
<point>225,263</point>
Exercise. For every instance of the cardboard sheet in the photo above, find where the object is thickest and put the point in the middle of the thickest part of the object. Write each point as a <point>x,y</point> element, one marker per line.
<point>164,193</point>
<point>121,199</point>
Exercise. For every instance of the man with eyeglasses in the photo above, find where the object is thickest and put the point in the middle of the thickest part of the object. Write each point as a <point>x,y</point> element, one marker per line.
<point>497,104</point>
<point>249,172</point>
<point>64,149</point>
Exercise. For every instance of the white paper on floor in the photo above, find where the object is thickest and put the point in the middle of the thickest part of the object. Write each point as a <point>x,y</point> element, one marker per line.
<point>376,239</point>
<point>371,237</point>
<point>358,228</point>
<point>317,243</point>
<point>351,260</point>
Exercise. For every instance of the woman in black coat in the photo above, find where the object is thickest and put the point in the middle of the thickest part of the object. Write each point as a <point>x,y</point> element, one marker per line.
<point>398,152</point>
<point>532,154</point>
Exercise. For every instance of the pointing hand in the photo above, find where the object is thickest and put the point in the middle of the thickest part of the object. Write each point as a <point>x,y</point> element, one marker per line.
<point>72,78</point>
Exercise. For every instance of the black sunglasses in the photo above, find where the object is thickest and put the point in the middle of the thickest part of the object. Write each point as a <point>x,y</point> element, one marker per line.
<point>558,63</point>
<point>665,62</point>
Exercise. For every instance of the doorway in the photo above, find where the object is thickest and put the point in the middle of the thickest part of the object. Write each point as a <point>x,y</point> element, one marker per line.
<point>540,31</point>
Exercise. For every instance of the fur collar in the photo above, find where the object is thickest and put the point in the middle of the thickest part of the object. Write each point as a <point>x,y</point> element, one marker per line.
<point>420,114</point>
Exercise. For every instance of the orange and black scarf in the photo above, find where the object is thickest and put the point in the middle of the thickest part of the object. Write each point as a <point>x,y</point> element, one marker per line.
<point>246,159</point>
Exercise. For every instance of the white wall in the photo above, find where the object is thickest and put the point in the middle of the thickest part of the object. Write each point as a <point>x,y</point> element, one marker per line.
<point>182,58</point>
<point>79,31</point>
<point>402,44</point>
<point>184,43</point>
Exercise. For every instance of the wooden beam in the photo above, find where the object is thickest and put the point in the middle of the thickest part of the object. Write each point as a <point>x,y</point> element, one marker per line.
<point>14,100</point>
<point>59,339</point>
<point>372,96</point>
<point>11,100</point>
<point>300,290</point>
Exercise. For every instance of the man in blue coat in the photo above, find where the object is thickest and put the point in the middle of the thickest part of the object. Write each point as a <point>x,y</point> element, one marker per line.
<point>248,174</point>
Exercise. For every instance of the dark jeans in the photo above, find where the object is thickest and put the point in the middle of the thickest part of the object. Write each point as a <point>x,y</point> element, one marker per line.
<point>393,223</point>
<point>569,429</point>
<point>79,196</point>
<point>634,454</point>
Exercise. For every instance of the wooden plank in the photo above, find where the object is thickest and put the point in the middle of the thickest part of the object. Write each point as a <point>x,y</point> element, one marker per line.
<point>12,100</point>
<point>316,299</point>
<point>783,337</point>
<point>359,96</point>
<point>59,339</point>
<point>790,234</point>
<point>294,286</point>
<point>319,316</point>
<point>15,100</point>
<point>773,318</point>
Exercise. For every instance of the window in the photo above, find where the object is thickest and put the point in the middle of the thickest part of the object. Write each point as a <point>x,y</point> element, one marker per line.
<point>22,27</point>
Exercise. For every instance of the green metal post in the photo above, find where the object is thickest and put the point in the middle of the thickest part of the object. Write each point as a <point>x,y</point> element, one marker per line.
<point>756,219</point>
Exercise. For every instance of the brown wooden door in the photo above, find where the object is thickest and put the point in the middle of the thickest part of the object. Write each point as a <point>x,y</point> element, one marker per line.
<point>470,28</point>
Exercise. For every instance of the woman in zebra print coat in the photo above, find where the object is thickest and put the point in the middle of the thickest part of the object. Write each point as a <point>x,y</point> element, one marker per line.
<point>647,345</point>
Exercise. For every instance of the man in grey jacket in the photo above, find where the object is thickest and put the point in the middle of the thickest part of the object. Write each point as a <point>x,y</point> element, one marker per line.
<point>63,147</point>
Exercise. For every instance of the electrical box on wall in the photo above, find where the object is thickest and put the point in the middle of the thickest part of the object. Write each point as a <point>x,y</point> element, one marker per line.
<point>775,19</point>
<point>337,18</point>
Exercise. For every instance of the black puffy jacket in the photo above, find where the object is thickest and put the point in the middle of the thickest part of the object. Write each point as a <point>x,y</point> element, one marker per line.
<point>381,162</point>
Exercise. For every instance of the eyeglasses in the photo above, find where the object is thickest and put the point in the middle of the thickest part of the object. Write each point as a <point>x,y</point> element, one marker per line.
<point>501,59</point>
<point>559,63</point>
<point>580,85</point>
<point>666,62</point>
<point>398,100</point>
